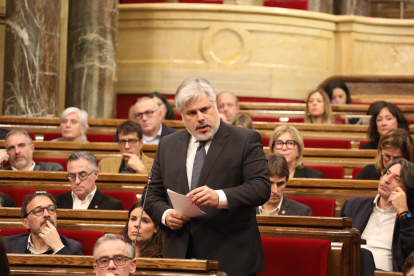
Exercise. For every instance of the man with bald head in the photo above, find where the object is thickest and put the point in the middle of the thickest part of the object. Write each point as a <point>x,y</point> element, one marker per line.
<point>148,114</point>
<point>228,105</point>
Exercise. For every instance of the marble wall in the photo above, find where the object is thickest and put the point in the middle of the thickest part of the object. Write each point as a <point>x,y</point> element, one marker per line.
<point>31,55</point>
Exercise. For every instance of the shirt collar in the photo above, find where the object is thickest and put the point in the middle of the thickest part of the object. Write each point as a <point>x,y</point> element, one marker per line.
<point>30,170</point>
<point>273,212</point>
<point>157,136</point>
<point>376,207</point>
<point>31,247</point>
<point>88,197</point>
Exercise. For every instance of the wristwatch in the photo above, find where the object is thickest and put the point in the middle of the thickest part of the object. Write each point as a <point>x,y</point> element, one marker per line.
<point>406,216</point>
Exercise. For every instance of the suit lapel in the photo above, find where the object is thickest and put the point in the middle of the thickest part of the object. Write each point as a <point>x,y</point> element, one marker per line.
<point>96,201</point>
<point>216,146</point>
<point>284,209</point>
<point>21,244</point>
<point>181,160</point>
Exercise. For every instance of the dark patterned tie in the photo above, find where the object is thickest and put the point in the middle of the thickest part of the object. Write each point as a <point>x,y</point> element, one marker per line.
<point>198,164</point>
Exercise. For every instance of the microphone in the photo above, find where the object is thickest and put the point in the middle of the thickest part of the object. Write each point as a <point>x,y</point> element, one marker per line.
<point>143,205</point>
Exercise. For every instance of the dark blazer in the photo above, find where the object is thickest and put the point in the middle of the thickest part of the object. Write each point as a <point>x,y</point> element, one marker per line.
<point>370,145</point>
<point>3,134</point>
<point>18,244</point>
<point>44,166</point>
<point>100,201</point>
<point>360,209</point>
<point>369,172</point>
<point>306,172</point>
<point>166,130</point>
<point>235,163</point>
<point>291,207</point>
<point>7,201</point>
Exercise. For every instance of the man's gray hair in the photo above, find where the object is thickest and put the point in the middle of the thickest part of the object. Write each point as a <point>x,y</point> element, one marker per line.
<point>231,93</point>
<point>143,99</point>
<point>18,131</point>
<point>83,119</point>
<point>113,237</point>
<point>80,154</point>
<point>191,89</point>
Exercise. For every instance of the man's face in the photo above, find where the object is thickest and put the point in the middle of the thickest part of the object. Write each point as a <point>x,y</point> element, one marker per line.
<point>134,146</point>
<point>389,181</point>
<point>201,118</point>
<point>37,223</point>
<point>278,185</point>
<point>226,104</point>
<point>71,127</point>
<point>82,188</point>
<point>110,249</point>
<point>20,152</point>
<point>149,122</point>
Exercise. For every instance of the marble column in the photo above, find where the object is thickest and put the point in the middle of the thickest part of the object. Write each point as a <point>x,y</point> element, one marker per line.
<point>91,60</point>
<point>325,6</point>
<point>352,7</point>
<point>31,58</point>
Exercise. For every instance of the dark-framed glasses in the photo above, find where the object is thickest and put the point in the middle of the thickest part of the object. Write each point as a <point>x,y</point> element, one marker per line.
<point>278,144</point>
<point>132,142</point>
<point>82,175</point>
<point>39,210</point>
<point>147,113</point>
<point>387,157</point>
<point>119,260</point>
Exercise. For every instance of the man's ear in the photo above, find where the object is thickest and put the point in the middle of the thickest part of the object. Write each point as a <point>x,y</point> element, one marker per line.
<point>95,268</point>
<point>96,174</point>
<point>133,266</point>
<point>32,146</point>
<point>25,223</point>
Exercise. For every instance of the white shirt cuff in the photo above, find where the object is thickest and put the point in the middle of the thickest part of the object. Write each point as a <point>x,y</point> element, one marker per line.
<point>58,250</point>
<point>164,216</point>
<point>223,204</point>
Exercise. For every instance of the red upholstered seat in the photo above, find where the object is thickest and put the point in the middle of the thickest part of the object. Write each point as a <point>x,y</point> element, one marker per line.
<point>361,143</point>
<point>276,119</point>
<point>51,136</point>
<point>18,195</point>
<point>97,138</point>
<point>321,207</point>
<point>127,198</point>
<point>201,2</point>
<point>13,231</point>
<point>141,1</point>
<point>265,141</point>
<point>86,238</point>
<point>297,5</point>
<point>355,171</point>
<point>32,136</point>
<point>61,161</point>
<point>327,143</point>
<point>288,257</point>
<point>330,172</point>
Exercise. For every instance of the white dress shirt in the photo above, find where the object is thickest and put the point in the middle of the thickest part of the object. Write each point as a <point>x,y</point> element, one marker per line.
<point>33,250</point>
<point>78,204</point>
<point>153,140</point>
<point>30,170</point>
<point>274,212</point>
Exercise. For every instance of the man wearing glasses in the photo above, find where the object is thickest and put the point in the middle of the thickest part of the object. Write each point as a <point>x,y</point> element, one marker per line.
<point>133,160</point>
<point>82,174</point>
<point>114,256</point>
<point>39,217</point>
<point>148,115</point>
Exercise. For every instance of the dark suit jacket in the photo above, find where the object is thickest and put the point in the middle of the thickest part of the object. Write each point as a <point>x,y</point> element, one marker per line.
<point>292,208</point>
<point>7,201</point>
<point>235,163</point>
<point>370,145</point>
<point>44,166</point>
<point>360,209</point>
<point>369,172</point>
<point>18,244</point>
<point>3,134</point>
<point>166,130</point>
<point>100,201</point>
<point>306,172</point>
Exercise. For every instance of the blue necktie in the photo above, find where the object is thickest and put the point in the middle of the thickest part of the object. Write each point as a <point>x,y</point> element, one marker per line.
<point>198,164</point>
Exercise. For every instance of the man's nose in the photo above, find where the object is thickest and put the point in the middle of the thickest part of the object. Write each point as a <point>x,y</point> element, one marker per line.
<point>111,264</point>
<point>200,116</point>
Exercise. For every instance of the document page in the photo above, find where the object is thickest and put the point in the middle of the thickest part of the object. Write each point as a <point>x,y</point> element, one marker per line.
<point>183,205</point>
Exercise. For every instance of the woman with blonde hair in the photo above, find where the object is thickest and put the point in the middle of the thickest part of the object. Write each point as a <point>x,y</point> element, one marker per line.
<point>396,143</point>
<point>318,108</point>
<point>287,141</point>
<point>243,120</point>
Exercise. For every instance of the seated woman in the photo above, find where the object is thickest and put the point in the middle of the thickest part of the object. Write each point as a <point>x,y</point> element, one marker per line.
<point>396,143</point>
<point>242,120</point>
<point>384,117</point>
<point>6,201</point>
<point>287,141</point>
<point>318,108</point>
<point>163,104</point>
<point>73,125</point>
<point>338,92</point>
<point>150,241</point>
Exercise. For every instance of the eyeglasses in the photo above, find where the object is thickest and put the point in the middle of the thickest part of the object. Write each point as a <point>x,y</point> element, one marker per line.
<point>82,175</point>
<point>119,260</point>
<point>290,144</point>
<point>387,158</point>
<point>132,142</point>
<point>147,113</point>
<point>39,210</point>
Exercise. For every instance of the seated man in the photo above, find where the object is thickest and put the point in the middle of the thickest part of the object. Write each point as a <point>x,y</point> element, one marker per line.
<point>122,253</point>
<point>228,106</point>
<point>385,221</point>
<point>278,204</point>
<point>39,217</point>
<point>133,160</point>
<point>82,173</point>
<point>19,151</point>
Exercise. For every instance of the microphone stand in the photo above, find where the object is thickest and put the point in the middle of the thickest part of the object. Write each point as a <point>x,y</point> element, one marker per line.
<point>143,205</point>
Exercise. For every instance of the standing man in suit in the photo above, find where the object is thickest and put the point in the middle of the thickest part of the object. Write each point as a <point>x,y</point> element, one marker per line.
<point>38,215</point>
<point>133,160</point>
<point>82,174</point>
<point>19,151</point>
<point>223,170</point>
<point>278,204</point>
<point>386,221</point>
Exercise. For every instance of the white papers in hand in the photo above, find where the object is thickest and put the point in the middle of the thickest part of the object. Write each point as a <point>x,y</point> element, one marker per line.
<point>183,205</point>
